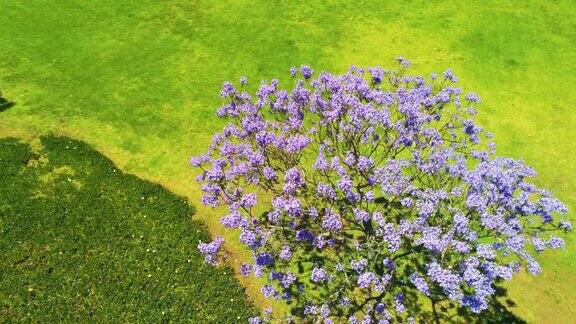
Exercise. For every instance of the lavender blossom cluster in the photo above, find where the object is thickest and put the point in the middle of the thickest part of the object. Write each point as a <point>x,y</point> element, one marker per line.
<point>364,193</point>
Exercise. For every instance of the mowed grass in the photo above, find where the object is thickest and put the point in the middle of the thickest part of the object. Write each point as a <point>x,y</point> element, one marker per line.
<point>82,241</point>
<point>140,80</point>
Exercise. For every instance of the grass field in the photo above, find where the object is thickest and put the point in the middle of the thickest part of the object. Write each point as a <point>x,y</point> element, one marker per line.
<point>82,241</point>
<point>139,80</point>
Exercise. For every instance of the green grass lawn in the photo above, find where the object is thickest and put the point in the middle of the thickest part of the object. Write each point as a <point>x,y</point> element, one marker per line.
<point>82,241</point>
<point>139,80</point>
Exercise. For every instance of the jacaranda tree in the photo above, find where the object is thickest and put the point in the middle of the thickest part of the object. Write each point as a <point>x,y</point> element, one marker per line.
<point>372,196</point>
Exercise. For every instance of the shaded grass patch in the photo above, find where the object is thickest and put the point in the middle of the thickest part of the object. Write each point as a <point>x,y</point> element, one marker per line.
<point>81,240</point>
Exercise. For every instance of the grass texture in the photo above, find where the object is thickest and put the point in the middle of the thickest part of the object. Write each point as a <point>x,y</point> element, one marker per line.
<point>139,80</point>
<point>82,241</point>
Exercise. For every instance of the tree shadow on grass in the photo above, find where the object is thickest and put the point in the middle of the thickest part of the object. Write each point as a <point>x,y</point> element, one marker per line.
<point>82,241</point>
<point>5,104</point>
<point>498,311</point>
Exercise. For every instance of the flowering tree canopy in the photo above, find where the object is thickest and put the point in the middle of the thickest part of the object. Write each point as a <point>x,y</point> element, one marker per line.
<point>361,195</point>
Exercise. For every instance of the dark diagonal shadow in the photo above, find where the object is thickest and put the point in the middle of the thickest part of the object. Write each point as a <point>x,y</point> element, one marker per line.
<point>5,104</point>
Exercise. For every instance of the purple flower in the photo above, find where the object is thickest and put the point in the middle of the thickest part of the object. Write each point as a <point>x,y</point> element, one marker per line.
<point>449,281</point>
<point>472,97</point>
<point>420,284</point>
<point>319,275</point>
<point>265,138</point>
<point>293,207</point>
<point>425,208</point>
<point>533,267</point>
<point>293,180</point>
<point>460,246</point>
<point>389,263</point>
<point>324,310</point>
<point>249,238</point>
<point>310,309</point>
<point>285,253</point>
<point>485,251</point>
<point>404,62</point>
<point>392,237</point>
<point>350,159</point>
<point>364,163</point>
<point>269,173</point>
<point>233,220</point>
<point>331,221</point>
<point>565,225</point>
<point>326,191</point>
<point>377,74</point>
<point>199,160</point>
<point>361,215</point>
<point>460,223</point>
<point>245,269</point>
<point>556,243</point>
<point>470,128</point>
<point>399,303</point>
<point>288,279</point>
<point>264,259</point>
<point>476,303</point>
<point>538,243</point>
<point>321,163</point>
<point>209,250</point>
<point>336,166</point>
<point>365,280</point>
<point>297,143</point>
<point>369,196</point>
<point>252,124</point>
<point>358,265</point>
<point>212,247</point>
<point>268,291</point>
<point>407,202</point>
<point>304,235</point>
<point>449,75</point>
<point>516,243</point>
<point>293,71</point>
<point>258,271</point>
<point>313,212</point>
<point>268,312</point>
<point>248,200</point>
<point>306,71</point>
<point>227,90</point>
<point>254,320</point>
